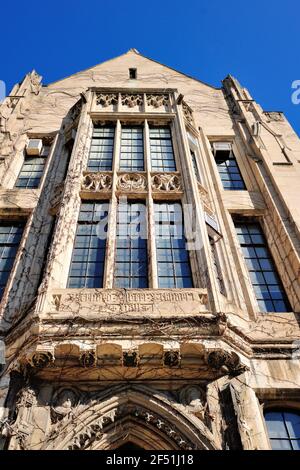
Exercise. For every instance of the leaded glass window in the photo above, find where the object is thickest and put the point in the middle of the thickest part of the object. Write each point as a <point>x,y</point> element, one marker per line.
<point>10,237</point>
<point>131,264</point>
<point>101,151</point>
<point>87,264</point>
<point>132,149</point>
<point>267,285</point>
<point>162,154</point>
<point>227,167</point>
<point>173,264</point>
<point>283,429</point>
<point>31,172</point>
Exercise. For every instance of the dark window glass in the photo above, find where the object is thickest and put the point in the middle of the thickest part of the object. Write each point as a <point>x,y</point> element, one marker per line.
<point>195,166</point>
<point>87,264</point>
<point>101,151</point>
<point>31,172</point>
<point>131,264</point>
<point>10,237</point>
<point>267,285</point>
<point>283,429</point>
<point>228,170</point>
<point>162,155</point>
<point>132,149</point>
<point>173,264</point>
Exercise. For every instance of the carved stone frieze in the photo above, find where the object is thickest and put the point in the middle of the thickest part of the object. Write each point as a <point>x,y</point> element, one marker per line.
<point>96,182</point>
<point>88,359</point>
<point>171,358</point>
<point>166,182</point>
<point>107,99</point>
<point>131,100</point>
<point>157,100</point>
<point>39,360</point>
<point>132,182</point>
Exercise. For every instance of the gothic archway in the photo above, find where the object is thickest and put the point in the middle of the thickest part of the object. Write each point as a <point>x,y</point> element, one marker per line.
<point>135,414</point>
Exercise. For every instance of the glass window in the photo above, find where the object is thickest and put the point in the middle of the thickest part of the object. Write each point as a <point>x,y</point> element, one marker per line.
<point>283,429</point>
<point>10,237</point>
<point>101,151</point>
<point>267,285</point>
<point>31,172</point>
<point>195,165</point>
<point>87,264</point>
<point>228,170</point>
<point>173,264</point>
<point>131,264</point>
<point>162,155</point>
<point>132,149</point>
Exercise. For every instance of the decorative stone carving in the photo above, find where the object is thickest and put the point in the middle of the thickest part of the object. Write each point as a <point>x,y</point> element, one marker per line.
<point>40,360</point>
<point>205,199</point>
<point>171,358</point>
<point>193,397</point>
<point>131,100</point>
<point>75,110</point>
<point>26,398</point>
<point>107,99</point>
<point>63,403</point>
<point>132,182</point>
<point>166,182</point>
<point>35,80</point>
<point>88,359</point>
<point>188,113</point>
<point>274,115</point>
<point>96,182</point>
<point>130,359</point>
<point>229,362</point>
<point>157,100</point>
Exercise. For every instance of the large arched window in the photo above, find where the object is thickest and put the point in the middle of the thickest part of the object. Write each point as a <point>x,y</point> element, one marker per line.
<point>283,429</point>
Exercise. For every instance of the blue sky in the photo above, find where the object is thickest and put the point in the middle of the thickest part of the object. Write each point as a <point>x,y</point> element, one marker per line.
<point>257,41</point>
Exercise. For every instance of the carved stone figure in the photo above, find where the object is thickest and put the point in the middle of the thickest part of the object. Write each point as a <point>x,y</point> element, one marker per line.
<point>63,403</point>
<point>193,397</point>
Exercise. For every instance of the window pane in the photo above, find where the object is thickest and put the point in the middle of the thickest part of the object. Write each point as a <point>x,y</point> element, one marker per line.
<point>31,173</point>
<point>10,237</point>
<point>87,264</point>
<point>173,264</point>
<point>228,170</point>
<point>101,151</point>
<point>162,155</point>
<point>131,262</point>
<point>283,429</point>
<point>132,149</point>
<point>266,283</point>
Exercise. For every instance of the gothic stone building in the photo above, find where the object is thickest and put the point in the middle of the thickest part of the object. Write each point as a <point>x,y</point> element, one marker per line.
<point>149,272</point>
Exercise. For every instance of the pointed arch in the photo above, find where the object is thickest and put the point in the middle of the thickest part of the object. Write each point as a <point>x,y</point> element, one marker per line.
<point>130,413</point>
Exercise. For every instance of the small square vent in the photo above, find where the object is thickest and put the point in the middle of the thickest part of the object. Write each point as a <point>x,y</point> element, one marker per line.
<point>34,147</point>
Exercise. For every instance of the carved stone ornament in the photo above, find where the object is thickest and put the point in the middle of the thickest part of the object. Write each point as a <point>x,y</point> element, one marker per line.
<point>130,359</point>
<point>274,115</point>
<point>157,100</point>
<point>132,182</point>
<point>227,361</point>
<point>88,359</point>
<point>171,358</point>
<point>193,397</point>
<point>96,182</point>
<point>131,100</point>
<point>166,182</point>
<point>188,113</point>
<point>40,360</point>
<point>63,402</point>
<point>107,99</point>
<point>35,80</point>
<point>26,398</point>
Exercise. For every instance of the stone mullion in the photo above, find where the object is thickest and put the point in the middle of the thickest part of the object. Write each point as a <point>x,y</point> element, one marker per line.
<point>111,240</point>
<point>152,264</point>
<point>59,259</point>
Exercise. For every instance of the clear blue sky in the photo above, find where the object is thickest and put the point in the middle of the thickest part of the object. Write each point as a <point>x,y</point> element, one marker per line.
<point>256,41</point>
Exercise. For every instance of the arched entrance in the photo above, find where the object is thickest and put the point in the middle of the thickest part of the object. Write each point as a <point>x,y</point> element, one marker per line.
<point>130,415</point>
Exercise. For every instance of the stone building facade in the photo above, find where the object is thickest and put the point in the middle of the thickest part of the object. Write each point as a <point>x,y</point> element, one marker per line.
<point>170,339</point>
